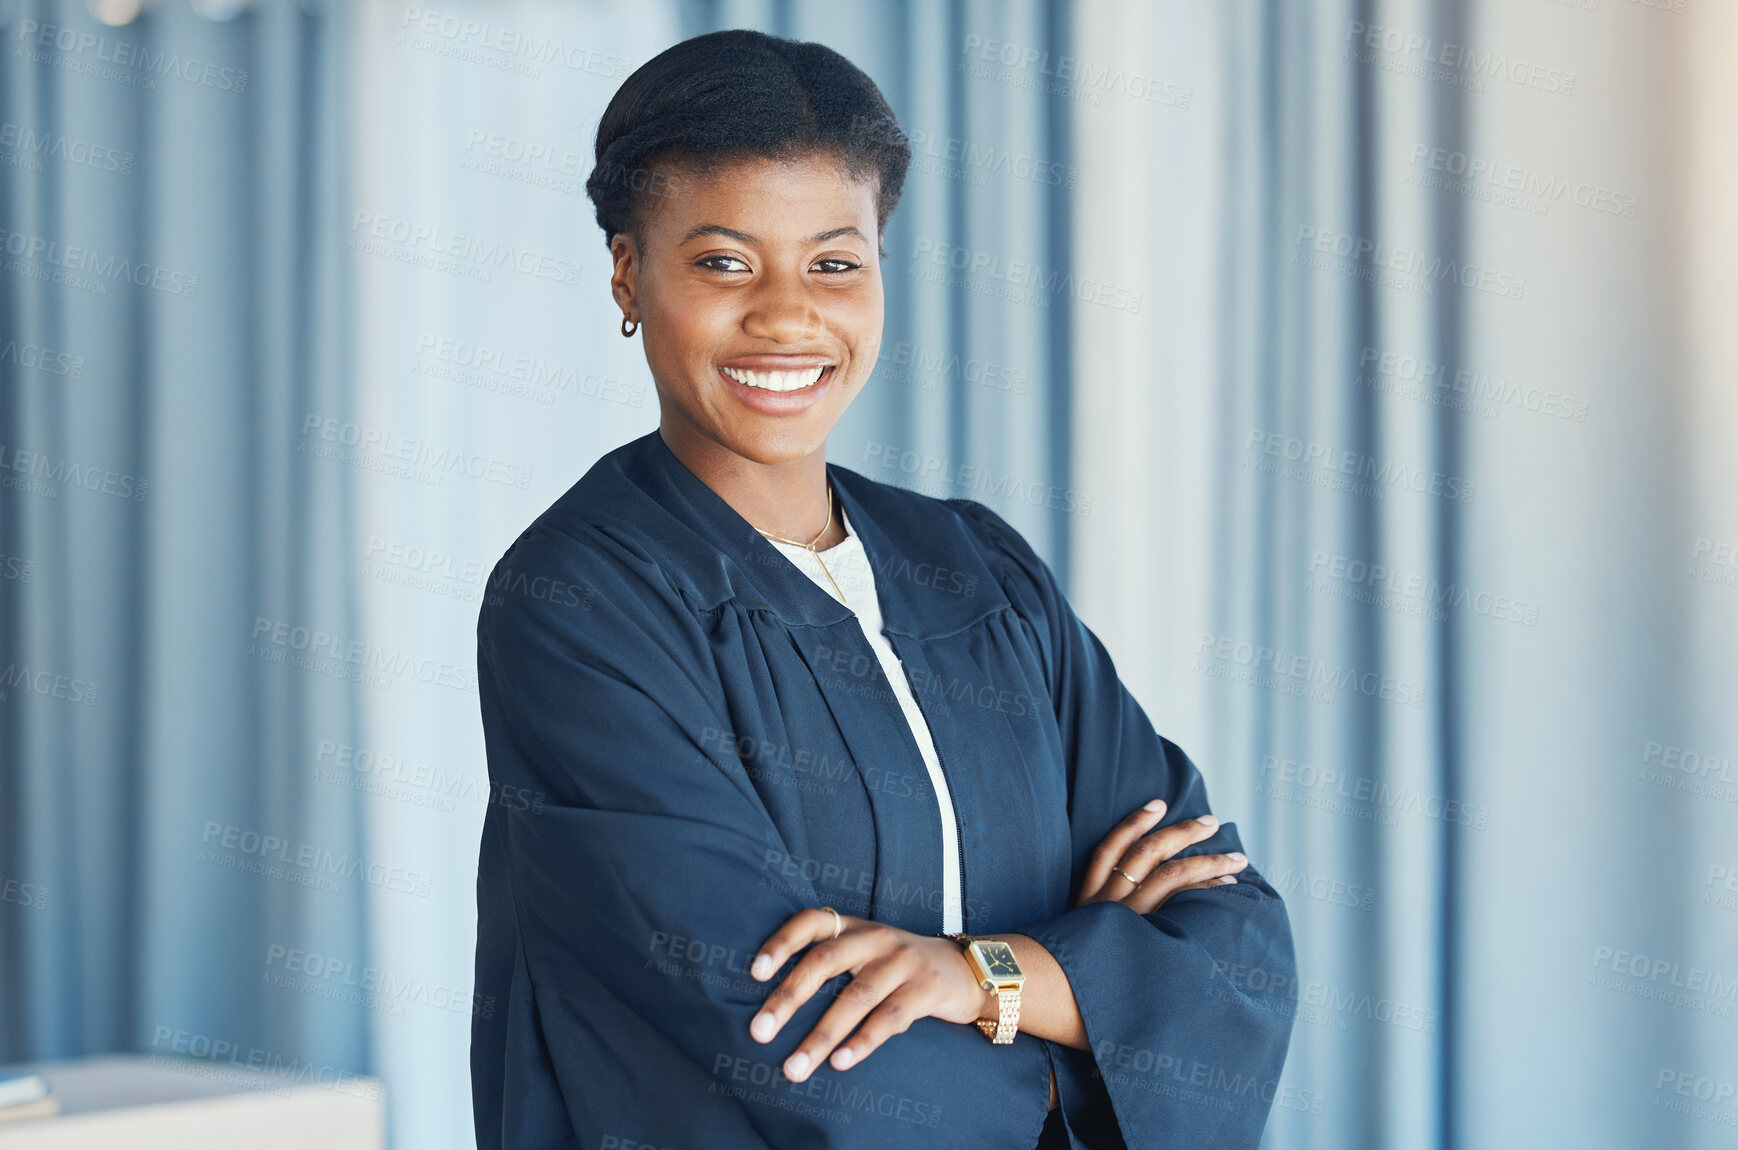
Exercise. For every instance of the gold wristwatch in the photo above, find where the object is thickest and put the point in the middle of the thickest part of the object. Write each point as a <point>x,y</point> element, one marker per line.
<point>998,971</point>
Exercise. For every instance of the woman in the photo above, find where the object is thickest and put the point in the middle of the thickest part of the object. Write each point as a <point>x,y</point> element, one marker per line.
<point>775,732</point>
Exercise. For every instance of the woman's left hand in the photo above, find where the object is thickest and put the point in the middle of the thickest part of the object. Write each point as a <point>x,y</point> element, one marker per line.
<point>896,978</point>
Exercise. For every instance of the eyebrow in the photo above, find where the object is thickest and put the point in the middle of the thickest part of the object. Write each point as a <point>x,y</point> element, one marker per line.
<point>745,238</point>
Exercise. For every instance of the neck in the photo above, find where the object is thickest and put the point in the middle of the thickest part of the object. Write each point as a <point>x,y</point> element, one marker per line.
<point>787,499</point>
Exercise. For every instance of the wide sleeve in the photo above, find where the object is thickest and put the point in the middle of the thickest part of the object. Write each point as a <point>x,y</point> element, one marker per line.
<point>1178,1049</point>
<point>628,873</point>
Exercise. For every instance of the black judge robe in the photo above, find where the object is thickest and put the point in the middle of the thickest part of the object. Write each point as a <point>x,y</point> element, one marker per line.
<point>689,742</point>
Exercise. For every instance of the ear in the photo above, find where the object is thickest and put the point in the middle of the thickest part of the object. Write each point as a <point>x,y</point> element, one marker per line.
<point>625,275</point>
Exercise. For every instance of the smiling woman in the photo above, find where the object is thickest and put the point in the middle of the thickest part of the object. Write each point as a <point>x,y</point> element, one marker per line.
<point>739,326</point>
<point>758,714</point>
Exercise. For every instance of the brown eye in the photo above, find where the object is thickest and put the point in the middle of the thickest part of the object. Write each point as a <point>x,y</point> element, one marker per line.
<point>838,266</point>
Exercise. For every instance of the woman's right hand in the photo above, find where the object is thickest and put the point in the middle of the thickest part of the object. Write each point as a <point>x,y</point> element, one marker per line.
<point>1153,872</point>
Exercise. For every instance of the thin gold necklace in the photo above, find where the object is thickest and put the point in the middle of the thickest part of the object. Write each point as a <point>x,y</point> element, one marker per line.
<point>810,545</point>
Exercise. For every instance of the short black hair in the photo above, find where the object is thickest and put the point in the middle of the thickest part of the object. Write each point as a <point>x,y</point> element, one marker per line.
<point>734,95</point>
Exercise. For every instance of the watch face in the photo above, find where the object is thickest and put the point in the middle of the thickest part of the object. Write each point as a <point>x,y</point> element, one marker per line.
<point>998,959</point>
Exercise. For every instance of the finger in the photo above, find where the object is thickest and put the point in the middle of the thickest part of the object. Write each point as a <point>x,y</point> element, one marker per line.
<point>1175,874</point>
<point>1141,859</point>
<point>894,1015</point>
<point>825,960</point>
<point>801,929</point>
<point>1145,853</point>
<point>868,989</point>
<point>1110,850</point>
<point>1212,882</point>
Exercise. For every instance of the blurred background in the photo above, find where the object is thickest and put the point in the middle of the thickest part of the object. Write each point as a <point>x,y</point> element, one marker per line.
<point>1360,367</point>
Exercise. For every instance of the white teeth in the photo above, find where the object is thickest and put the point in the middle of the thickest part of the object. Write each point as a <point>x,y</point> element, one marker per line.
<point>777,380</point>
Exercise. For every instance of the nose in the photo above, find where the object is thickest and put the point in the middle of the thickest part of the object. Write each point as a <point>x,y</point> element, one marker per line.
<point>780,309</point>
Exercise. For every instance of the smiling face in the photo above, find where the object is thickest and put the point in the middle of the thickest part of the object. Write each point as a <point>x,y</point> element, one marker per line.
<point>759,296</point>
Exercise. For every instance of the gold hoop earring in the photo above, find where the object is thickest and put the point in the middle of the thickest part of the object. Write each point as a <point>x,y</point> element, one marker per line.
<point>629,327</point>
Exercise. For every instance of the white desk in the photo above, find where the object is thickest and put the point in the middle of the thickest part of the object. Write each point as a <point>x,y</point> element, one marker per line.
<point>154,1102</point>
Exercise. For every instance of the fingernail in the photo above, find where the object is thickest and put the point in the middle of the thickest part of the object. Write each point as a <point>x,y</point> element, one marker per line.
<point>1236,857</point>
<point>1227,878</point>
<point>842,1058</point>
<point>763,1027</point>
<point>1154,805</point>
<point>797,1066</point>
<point>1208,821</point>
<point>762,966</point>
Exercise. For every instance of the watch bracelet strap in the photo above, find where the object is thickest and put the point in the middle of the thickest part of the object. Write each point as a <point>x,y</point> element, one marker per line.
<point>1000,1030</point>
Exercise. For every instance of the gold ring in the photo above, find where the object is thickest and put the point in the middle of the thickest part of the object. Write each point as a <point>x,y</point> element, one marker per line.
<point>838,922</point>
<point>1126,874</point>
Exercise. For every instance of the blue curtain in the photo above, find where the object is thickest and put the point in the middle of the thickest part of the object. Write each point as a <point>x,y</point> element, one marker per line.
<point>173,306</point>
<point>1434,399</point>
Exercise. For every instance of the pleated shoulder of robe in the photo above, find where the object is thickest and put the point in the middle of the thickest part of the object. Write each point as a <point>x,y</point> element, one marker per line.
<point>689,742</point>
